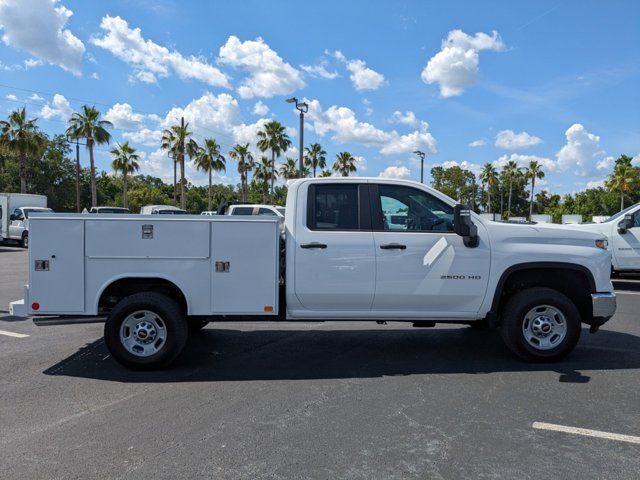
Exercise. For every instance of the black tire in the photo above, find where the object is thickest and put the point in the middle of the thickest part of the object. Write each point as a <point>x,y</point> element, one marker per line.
<point>196,324</point>
<point>169,313</point>
<point>24,242</point>
<point>513,318</point>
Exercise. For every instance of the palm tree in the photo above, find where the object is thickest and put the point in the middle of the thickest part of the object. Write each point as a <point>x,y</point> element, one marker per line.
<point>88,125</point>
<point>242,155</point>
<point>489,177</point>
<point>623,178</point>
<point>289,169</point>
<point>125,160</point>
<point>19,136</point>
<point>326,173</point>
<point>533,172</point>
<point>264,173</point>
<point>512,173</point>
<point>345,164</point>
<point>273,136</point>
<point>315,157</point>
<point>209,159</point>
<point>175,140</point>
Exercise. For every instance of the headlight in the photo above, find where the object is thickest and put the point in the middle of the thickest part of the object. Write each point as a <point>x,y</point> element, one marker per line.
<point>601,243</point>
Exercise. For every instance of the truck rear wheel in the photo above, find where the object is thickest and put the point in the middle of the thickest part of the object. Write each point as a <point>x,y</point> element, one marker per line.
<point>24,242</point>
<point>145,331</point>
<point>540,324</point>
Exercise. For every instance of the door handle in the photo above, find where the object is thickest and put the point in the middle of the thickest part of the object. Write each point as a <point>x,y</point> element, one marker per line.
<point>393,246</point>
<point>313,245</point>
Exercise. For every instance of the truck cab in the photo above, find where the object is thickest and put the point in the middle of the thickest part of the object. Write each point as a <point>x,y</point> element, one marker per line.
<point>365,249</point>
<point>622,231</point>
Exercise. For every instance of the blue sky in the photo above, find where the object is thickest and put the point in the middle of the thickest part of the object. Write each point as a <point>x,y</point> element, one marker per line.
<point>467,82</point>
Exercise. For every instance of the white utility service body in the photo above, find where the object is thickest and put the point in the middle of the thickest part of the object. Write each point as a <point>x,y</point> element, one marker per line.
<point>18,205</point>
<point>344,261</point>
<point>622,230</point>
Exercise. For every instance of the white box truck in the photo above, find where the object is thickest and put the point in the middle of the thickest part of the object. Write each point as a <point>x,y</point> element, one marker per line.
<point>15,209</point>
<point>154,278</point>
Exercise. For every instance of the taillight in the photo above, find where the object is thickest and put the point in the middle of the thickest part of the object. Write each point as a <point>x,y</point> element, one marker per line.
<point>35,306</point>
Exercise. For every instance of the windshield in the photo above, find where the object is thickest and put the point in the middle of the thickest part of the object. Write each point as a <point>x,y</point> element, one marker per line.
<point>171,212</point>
<point>27,211</point>
<point>619,214</point>
<point>113,210</point>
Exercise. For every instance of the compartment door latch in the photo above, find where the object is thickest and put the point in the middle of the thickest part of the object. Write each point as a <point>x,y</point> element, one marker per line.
<point>223,267</point>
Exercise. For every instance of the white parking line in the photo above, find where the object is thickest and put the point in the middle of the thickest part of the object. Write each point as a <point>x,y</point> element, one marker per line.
<point>13,334</point>
<point>586,432</point>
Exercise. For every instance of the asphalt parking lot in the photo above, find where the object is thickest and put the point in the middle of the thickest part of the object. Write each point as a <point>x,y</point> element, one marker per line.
<point>319,400</point>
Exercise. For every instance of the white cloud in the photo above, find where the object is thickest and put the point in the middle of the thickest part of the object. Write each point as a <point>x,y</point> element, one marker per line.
<point>509,140</point>
<point>408,118</point>
<point>34,97</point>
<point>95,76</point>
<point>478,143</point>
<point>636,160</point>
<point>11,97</point>
<point>59,107</point>
<point>393,171</point>
<point>320,70</point>
<point>144,136</point>
<point>596,183</point>
<point>465,165</point>
<point>122,116</point>
<point>151,61</point>
<point>582,152</point>
<point>548,165</point>
<point>346,128</point>
<point>209,115</point>
<point>269,75</point>
<point>368,107</point>
<point>362,77</point>
<point>260,108</point>
<point>455,66</point>
<point>38,27</point>
<point>32,63</point>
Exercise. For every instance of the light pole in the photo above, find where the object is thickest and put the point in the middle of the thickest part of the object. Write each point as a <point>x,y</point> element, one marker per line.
<point>303,108</point>
<point>421,155</point>
<point>69,139</point>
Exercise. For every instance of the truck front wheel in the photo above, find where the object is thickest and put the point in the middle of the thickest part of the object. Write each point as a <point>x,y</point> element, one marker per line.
<point>24,241</point>
<point>540,324</point>
<point>145,331</point>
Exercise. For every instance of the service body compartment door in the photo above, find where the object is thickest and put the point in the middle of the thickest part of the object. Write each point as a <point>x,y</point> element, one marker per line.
<point>245,266</point>
<point>56,265</point>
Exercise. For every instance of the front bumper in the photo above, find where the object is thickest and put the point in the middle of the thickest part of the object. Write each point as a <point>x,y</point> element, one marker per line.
<point>604,307</point>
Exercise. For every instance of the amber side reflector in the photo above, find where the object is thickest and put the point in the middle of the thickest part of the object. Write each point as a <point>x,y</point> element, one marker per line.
<point>268,308</point>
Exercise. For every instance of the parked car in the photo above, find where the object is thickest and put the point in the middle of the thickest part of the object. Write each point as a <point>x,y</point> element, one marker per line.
<point>14,219</point>
<point>339,262</point>
<point>161,210</point>
<point>251,209</point>
<point>622,231</point>
<point>208,212</point>
<point>109,210</point>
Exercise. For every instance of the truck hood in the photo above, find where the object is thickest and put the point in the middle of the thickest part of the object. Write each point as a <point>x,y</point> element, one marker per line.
<point>548,234</point>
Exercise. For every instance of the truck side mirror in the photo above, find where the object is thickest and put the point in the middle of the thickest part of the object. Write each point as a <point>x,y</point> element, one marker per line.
<point>626,223</point>
<point>12,217</point>
<point>464,226</point>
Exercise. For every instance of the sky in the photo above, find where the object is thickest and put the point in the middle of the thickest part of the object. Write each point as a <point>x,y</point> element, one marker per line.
<point>466,82</point>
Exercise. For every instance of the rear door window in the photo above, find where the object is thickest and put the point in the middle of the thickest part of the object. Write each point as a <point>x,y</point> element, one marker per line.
<point>242,211</point>
<point>334,207</point>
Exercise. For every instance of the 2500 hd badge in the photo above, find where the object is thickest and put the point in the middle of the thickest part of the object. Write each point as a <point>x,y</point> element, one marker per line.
<point>460,277</point>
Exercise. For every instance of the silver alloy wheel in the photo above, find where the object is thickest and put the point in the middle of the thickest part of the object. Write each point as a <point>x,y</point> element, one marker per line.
<point>143,333</point>
<point>544,327</point>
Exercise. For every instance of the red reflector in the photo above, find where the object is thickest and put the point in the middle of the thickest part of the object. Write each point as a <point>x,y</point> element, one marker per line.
<point>35,306</point>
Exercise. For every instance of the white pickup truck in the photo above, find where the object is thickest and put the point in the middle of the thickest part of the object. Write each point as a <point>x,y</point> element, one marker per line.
<point>339,258</point>
<point>622,232</point>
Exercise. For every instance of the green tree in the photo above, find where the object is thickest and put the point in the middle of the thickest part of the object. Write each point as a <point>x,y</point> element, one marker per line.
<point>345,164</point>
<point>242,155</point>
<point>273,136</point>
<point>125,161</point>
<point>88,125</point>
<point>264,174</point>
<point>19,135</point>
<point>209,159</point>
<point>489,178</point>
<point>174,140</point>
<point>456,182</point>
<point>289,169</point>
<point>315,157</point>
<point>326,173</point>
<point>624,177</point>
<point>533,172</point>
<point>512,174</point>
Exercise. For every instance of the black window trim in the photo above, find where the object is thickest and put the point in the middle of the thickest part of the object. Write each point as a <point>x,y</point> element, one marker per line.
<point>364,210</point>
<point>377,224</point>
